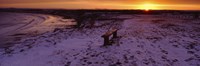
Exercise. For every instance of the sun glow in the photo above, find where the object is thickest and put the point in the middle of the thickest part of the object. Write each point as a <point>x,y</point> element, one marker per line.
<point>148,6</point>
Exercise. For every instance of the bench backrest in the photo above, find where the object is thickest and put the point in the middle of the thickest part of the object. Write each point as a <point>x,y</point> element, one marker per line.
<point>107,34</point>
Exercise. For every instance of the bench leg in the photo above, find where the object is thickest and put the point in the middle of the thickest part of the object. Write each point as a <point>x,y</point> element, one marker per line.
<point>115,34</point>
<point>106,41</point>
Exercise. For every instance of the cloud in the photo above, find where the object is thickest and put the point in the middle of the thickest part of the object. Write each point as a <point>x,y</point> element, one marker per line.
<point>111,1</point>
<point>71,5</point>
<point>106,1</point>
<point>30,1</point>
<point>43,1</point>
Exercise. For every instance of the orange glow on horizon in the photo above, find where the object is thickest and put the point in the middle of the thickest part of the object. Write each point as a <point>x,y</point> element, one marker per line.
<point>148,6</point>
<point>146,10</point>
<point>85,4</point>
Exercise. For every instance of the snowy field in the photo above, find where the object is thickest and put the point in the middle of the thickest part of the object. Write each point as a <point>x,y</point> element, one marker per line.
<point>144,40</point>
<point>14,26</point>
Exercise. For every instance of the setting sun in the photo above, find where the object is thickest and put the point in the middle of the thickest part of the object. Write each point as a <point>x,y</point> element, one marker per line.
<point>148,6</point>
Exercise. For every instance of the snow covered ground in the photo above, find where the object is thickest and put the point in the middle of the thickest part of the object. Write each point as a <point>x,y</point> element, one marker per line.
<point>144,40</point>
<point>15,26</point>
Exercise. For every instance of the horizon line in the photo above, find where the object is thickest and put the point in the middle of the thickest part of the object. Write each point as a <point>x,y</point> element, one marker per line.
<point>99,9</point>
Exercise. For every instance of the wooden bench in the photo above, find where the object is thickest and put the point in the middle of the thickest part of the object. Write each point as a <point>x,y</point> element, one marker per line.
<point>108,34</point>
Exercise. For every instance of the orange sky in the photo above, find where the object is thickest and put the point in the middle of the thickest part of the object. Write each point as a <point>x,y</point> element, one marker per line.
<point>104,4</point>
